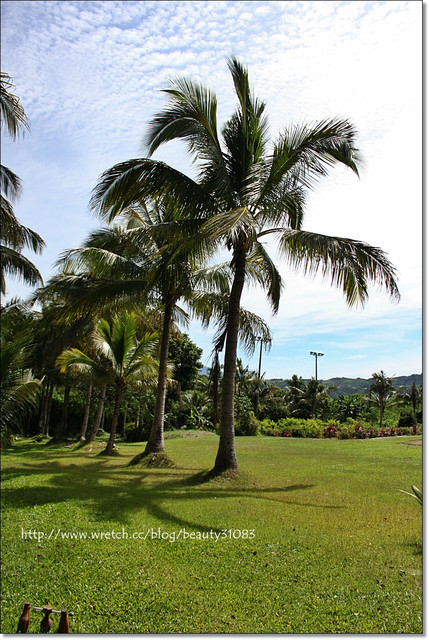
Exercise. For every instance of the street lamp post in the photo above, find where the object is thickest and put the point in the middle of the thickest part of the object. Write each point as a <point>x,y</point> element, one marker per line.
<point>315,354</point>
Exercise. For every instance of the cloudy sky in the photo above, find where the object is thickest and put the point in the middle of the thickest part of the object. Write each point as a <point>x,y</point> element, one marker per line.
<point>89,76</point>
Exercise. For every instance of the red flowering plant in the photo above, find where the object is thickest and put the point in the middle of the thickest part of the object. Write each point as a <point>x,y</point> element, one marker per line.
<point>330,431</point>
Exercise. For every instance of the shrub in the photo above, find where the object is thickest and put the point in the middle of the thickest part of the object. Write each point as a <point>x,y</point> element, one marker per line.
<point>330,431</point>
<point>267,426</point>
<point>300,428</point>
<point>246,424</point>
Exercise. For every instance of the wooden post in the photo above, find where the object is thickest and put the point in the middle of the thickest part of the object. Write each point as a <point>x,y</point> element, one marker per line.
<point>24,620</point>
<point>46,622</point>
<point>64,626</point>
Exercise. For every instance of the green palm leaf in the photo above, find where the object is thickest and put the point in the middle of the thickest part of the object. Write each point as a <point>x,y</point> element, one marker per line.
<point>12,112</point>
<point>349,264</point>
<point>136,180</point>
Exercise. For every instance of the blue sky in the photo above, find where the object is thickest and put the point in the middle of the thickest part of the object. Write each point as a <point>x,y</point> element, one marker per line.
<point>89,76</point>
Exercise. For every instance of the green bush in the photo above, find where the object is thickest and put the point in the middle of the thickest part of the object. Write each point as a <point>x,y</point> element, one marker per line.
<point>246,424</point>
<point>314,428</point>
<point>310,428</point>
<point>245,421</point>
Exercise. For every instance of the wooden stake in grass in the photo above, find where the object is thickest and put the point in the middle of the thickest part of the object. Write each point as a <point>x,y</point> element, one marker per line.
<point>46,622</point>
<point>24,619</point>
<point>64,626</point>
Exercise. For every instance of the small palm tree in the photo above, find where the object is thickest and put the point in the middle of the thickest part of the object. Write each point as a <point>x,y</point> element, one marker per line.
<point>19,389</point>
<point>244,193</point>
<point>410,397</point>
<point>380,392</point>
<point>123,360</point>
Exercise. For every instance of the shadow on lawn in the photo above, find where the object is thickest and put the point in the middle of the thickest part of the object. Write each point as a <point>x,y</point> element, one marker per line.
<point>113,492</point>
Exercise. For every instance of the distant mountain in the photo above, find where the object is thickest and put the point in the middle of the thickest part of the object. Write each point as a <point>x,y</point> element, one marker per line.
<point>348,386</point>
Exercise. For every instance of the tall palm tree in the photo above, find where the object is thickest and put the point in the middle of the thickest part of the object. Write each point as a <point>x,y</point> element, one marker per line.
<point>14,236</point>
<point>247,191</point>
<point>380,391</point>
<point>124,360</point>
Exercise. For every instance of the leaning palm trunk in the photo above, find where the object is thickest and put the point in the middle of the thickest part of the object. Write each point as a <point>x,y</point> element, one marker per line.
<point>99,414</point>
<point>226,457</point>
<point>155,444</point>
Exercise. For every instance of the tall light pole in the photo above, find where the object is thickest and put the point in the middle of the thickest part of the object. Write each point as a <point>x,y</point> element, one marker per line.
<point>315,354</point>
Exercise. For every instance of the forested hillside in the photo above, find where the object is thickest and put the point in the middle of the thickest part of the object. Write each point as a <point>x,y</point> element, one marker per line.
<point>348,386</point>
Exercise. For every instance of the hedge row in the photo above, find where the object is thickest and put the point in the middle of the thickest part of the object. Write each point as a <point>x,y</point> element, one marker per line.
<point>313,428</point>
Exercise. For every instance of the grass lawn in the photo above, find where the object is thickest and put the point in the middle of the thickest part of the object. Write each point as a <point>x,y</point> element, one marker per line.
<point>316,538</point>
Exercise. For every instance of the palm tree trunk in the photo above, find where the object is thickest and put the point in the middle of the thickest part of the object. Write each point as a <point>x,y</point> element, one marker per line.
<point>216,372</point>
<point>381,415</point>
<point>63,424</point>
<point>97,421</point>
<point>86,414</point>
<point>137,420</point>
<point>124,420</point>
<point>155,444</point>
<point>44,407</point>
<point>226,457</point>
<point>118,394</point>
<point>48,409</point>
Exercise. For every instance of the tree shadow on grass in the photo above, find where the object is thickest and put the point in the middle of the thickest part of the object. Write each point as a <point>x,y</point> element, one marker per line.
<point>115,492</point>
<point>416,547</point>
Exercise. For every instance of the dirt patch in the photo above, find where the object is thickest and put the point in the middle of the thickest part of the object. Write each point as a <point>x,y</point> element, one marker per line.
<point>186,434</point>
<point>413,443</point>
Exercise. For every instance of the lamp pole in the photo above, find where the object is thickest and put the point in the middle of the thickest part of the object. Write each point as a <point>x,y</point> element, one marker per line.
<point>315,354</point>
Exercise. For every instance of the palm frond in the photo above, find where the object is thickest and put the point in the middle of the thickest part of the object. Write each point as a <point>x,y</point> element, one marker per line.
<point>350,264</point>
<point>10,183</point>
<point>261,269</point>
<point>15,264</point>
<point>11,110</point>
<point>137,180</point>
<point>16,235</point>
<point>306,152</point>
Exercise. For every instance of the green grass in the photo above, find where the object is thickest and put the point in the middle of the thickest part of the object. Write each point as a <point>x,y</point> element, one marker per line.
<point>336,546</point>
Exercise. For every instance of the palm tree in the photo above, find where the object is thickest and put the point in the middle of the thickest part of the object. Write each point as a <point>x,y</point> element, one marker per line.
<point>410,397</point>
<point>142,264</point>
<point>124,360</point>
<point>380,391</point>
<point>316,396</point>
<point>19,389</point>
<point>244,193</point>
<point>14,236</point>
<point>348,406</point>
